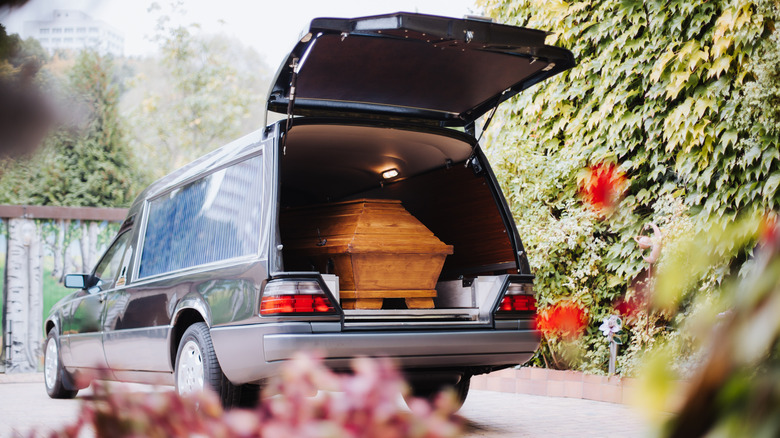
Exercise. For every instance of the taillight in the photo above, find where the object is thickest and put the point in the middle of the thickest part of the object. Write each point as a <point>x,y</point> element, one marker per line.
<point>294,296</point>
<point>519,298</point>
<point>518,303</point>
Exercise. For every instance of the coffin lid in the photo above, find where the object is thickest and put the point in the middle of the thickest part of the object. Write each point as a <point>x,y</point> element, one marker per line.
<point>412,66</point>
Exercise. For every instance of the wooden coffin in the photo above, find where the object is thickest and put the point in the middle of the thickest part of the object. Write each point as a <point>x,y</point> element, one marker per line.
<point>376,247</point>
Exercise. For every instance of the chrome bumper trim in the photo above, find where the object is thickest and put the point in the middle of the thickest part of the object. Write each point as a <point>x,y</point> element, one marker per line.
<point>405,344</point>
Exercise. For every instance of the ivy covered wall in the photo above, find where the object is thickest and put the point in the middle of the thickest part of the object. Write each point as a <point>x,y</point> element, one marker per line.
<point>683,97</point>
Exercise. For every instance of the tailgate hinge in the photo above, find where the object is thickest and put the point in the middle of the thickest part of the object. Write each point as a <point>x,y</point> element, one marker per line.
<point>290,102</point>
<point>296,65</point>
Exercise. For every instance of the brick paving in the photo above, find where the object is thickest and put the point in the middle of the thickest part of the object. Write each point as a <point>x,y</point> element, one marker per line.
<point>555,383</point>
<point>24,406</point>
<point>496,414</point>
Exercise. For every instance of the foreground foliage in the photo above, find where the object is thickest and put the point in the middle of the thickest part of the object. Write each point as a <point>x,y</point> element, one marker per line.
<point>733,390</point>
<point>364,404</point>
<point>682,97</point>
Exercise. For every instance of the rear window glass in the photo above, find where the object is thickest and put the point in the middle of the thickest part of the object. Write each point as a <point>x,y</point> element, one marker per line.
<point>212,219</point>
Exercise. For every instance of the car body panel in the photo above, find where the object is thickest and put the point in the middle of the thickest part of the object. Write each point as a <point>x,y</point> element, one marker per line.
<point>83,331</point>
<point>137,320</point>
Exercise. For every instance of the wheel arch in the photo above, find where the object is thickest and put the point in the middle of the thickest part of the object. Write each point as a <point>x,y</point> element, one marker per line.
<point>185,316</point>
<point>51,323</point>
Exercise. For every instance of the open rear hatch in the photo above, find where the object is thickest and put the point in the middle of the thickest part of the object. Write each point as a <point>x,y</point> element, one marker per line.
<point>411,66</point>
<point>376,192</point>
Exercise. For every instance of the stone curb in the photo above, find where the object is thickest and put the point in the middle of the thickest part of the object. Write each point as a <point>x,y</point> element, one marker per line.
<point>556,383</point>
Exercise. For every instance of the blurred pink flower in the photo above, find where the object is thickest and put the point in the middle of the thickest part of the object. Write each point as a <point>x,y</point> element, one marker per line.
<point>311,401</point>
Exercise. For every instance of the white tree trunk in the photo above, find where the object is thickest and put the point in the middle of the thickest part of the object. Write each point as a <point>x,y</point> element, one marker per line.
<point>89,241</point>
<point>59,256</point>
<point>84,243</point>
<point>24,303</point>
<point>93,243</point>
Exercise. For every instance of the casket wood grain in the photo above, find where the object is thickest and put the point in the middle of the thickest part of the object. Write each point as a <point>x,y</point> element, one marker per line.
<point>376,247</point>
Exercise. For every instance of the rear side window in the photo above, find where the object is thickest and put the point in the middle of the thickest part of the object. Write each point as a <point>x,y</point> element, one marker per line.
<point>211,219</point>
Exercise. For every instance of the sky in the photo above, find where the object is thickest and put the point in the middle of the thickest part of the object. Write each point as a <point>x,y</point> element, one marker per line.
<point>271,27</point>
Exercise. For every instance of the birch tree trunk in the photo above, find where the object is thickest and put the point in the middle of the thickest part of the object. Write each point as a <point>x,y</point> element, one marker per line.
<point>4,341</point>
<point>59,256</point>
<point>84,244</point>
<point>24,289</point>
<point>68,263</point>
<point>93,243</point>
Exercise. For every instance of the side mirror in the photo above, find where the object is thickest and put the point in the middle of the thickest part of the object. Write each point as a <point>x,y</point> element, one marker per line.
<point>77,281</point>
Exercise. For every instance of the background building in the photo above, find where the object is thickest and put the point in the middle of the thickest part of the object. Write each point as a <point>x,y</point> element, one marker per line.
<point>75,30</point>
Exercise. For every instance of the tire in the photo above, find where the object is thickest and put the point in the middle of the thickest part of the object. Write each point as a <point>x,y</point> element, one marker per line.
<point>197,369</point>
<point>430,390</point>
<point>240,396</point>
<point>462,390</point>
<point>58,382</point>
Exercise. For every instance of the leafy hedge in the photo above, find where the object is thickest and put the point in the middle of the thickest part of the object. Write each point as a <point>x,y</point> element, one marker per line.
<point>683,97</point>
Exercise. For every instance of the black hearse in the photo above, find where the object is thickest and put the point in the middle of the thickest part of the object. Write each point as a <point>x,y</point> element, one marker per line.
<point>196,289</point>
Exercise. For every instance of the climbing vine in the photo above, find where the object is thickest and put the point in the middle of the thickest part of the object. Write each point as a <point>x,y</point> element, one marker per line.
<point>674,93</point>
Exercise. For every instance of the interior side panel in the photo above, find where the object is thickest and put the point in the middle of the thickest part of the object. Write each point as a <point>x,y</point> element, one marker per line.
<point>459,208</point>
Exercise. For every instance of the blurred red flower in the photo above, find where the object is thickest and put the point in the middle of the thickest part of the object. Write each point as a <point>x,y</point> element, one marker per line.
<point>628,307</point>
<point>769,232</point>
<point>602,187</point>
<point>564,319</point>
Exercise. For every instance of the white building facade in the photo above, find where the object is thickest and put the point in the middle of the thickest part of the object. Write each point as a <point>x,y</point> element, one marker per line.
<point>75,30</point>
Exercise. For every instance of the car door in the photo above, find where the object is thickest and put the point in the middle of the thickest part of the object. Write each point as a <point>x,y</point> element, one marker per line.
<point>136,324</point>
<point>84,327</point>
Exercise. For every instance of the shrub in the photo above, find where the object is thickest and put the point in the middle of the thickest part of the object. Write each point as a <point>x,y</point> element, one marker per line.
<point>681,96</point>
<point>363,404</point>
<point>734,335</point>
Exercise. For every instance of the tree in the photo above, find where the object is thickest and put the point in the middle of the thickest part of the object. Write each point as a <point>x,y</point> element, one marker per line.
<point>87,162</point>
<point>202,91</point>
<point>657,91</point>
<point>25,115</point>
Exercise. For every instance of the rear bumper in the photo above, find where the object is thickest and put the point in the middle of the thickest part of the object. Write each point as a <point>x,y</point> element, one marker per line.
<point>254,352</point>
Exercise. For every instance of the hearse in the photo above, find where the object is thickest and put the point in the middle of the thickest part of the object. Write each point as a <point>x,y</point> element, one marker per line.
<point>366,221</point>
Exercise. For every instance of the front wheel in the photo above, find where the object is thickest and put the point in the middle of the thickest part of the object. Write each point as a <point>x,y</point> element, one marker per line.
<point>57,380</point>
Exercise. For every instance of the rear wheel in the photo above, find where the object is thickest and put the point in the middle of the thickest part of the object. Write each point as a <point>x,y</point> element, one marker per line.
<point>57,380</point>
<point>462,390</point>
<point>197,368</point>
<point>430,390</point>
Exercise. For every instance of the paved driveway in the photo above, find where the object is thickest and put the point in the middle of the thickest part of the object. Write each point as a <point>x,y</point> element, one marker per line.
<point>25,406</point>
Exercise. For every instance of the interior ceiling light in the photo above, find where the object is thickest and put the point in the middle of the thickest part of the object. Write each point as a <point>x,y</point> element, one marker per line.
<point>390,173</point>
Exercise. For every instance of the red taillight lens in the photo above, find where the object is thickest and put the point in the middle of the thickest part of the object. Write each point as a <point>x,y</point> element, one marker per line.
<point>506,304</point>
<point>289,297</point>
<point>518,303</point>
<point>275,304</point>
